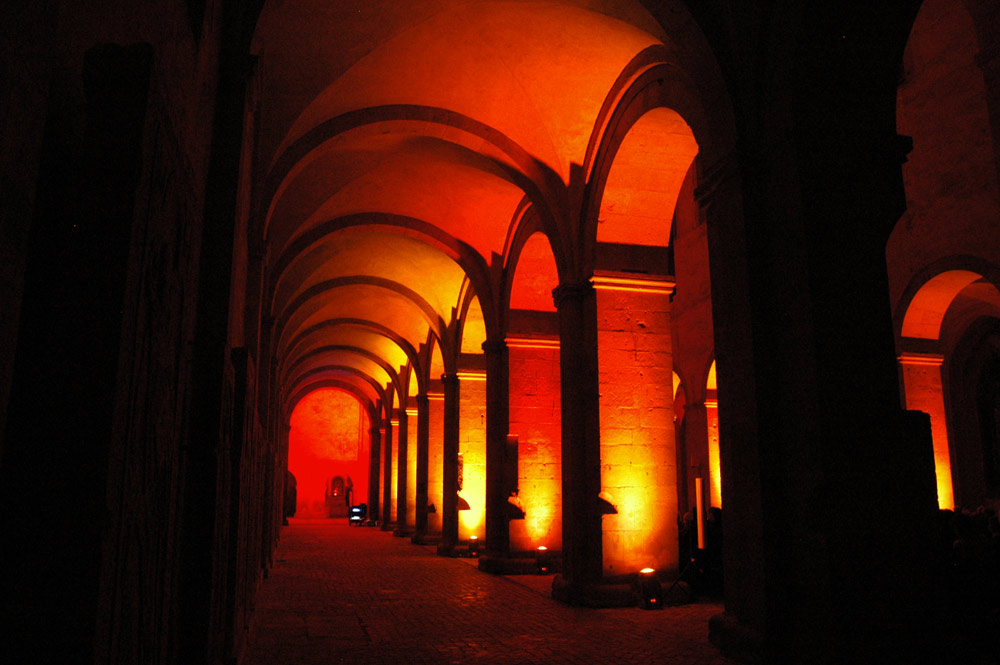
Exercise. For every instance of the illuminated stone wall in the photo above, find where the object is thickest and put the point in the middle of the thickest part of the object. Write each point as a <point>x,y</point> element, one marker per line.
<point>394,486</point>
<point>328,438</point>
<point>411,465</point>
<point>638,457</point>
<point>472,448</point>
<point>435,460</point>
<point>535,420</point>
<point>922,385</point>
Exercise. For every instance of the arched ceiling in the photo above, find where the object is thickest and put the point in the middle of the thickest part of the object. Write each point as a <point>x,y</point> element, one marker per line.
<point>927,309</point>
<point>396,143</point>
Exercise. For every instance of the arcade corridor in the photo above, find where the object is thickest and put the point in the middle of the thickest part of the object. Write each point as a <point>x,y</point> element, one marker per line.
<point>540,273</point>
<point>344,596</point>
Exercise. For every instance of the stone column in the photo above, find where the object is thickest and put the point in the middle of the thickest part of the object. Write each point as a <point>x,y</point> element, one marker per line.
<point>922,385</point>
<point>498,485</point>
<point>638,449</point>
<point>449,480</point>
<point>695,433</point>
<point>423,449</point>
<point>581,439</point>
<point>411,466</point>
<point>373,483</point>
<point>401,471</point>
<point>987,22</point>
<point>387,474</point>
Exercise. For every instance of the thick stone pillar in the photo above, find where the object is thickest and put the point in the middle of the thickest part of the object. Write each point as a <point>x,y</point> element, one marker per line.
<point>638,449</point>
<point>922,385</point>
<point>411,466</point>
<point>986,18</point>
<point>423,450</point>
<point>402,430</point>
<point>387,449</point>
<point>373,474</point>
<point>66,443</point>
<point>449,479</point>
<point>498,485</point>
<point>581,440</point>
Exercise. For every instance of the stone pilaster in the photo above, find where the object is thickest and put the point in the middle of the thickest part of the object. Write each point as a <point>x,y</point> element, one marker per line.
<point>449,480</point>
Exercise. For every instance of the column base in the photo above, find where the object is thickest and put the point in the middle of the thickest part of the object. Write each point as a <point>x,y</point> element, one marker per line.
<point>735,640</point>
<point>593,594</point>
<point>521,563</point>
<point>425,538</point>
<point>403,532</point>
<point>388,526</point>
<point>622,591</point>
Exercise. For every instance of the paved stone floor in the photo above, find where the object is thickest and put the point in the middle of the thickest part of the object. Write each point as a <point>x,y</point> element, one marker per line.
<point>338,594</point>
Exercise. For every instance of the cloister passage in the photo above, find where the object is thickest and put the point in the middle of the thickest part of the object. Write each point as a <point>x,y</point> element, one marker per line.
<point>514,274</point>
<point>469,218</point>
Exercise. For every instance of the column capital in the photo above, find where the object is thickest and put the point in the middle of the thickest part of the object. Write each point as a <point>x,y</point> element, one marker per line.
<point>422,399</point>
<point>571,291</point>
<point>930,359</point>
<point>494,346</point>
<point>617,281</point>
<point>449,378</point>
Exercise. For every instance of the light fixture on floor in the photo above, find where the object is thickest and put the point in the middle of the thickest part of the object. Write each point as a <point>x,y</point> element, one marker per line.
<point>473,546</point>
<point>650,591</point>
<point>543,560</point>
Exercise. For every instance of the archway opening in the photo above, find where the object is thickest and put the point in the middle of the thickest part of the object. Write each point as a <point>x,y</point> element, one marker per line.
<point>635,281</point>
<point>533,380</point>
<point>328,453</point>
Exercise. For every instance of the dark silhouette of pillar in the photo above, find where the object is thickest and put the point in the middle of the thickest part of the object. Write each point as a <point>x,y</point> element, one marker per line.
<point>60,433</point>
<point>449,481</point>
<point>581,444</point>
<point>373,484</point>
<point>401,470</point>
<point>498,484</point>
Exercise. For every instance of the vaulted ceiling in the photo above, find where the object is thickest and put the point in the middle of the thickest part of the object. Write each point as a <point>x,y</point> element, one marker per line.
<point>398,146</point>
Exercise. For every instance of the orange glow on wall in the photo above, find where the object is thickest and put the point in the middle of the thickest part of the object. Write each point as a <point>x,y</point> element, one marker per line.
<point>328,438</point>
<point>922,385</point>
<point>927,309</point>
<point>714,466</point>
<point>638,455</point>
<point>472,447</point>
<point>435,460</point>
<point>394,484</point>
<point>411,466</point>
<point>534,276</point>
<point>535,418</point>
<point>637,207</point>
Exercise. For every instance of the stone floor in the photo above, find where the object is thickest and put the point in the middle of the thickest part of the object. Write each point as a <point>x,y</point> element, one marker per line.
<point>340,594</point>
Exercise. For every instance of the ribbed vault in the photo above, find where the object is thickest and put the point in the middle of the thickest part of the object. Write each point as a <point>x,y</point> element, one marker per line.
<point>401,147</point>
